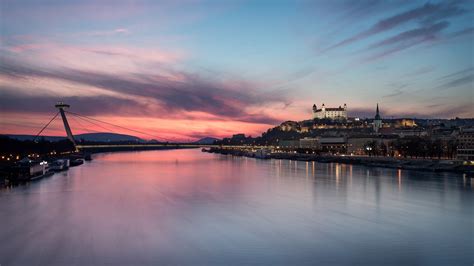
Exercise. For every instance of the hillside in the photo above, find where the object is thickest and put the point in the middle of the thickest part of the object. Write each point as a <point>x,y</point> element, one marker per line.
<point>206,140</point>
<point>99,137</point>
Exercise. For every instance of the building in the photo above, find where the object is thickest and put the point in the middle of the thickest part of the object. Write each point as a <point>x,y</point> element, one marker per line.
<point>333,144</point>
<point>236,139</point>
<point>239,136</point>
<point>289,144</point>
<point>410,132</point>
<point>403,123</point>
<point>305,129</point>
<point>377,120</point>
<point>465,150</point>
<point>290,126</point>
<point>338,113</point>
<point>357,145</point>
<point>310,143</point>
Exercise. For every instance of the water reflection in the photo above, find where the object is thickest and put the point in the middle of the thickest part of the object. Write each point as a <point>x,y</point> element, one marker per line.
<point>185,207</point>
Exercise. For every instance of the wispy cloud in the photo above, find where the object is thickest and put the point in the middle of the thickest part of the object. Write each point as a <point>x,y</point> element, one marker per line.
<point>418,72</point>
<point>427,15</point>
<point>443,111</point>
<point>457,73</point>
<point>420,34</point>
<point>456,79</point>
<point>395,93</point>
<point>463,32</point>
<point>96,58</point>
<point>394,49</point>
<point>173,95</point>
<point>107,33</point>
<point>405,40</point>
<point>468,79</point>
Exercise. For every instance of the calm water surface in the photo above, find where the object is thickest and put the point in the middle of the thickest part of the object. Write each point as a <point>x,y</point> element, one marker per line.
<point>184,207</point>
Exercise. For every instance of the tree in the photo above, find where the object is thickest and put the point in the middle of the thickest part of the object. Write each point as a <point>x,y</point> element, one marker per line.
<point>371,148</point>
<point>436,149</point>
<point>383,149</point>
<point>451,148</point>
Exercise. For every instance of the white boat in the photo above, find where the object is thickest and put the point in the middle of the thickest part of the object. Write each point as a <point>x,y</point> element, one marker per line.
<point>60,165</point>
<point>262,154</point>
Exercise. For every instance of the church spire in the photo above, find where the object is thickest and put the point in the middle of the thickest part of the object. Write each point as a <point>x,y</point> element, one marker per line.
<point>377,114</point>
<point>377,120</point>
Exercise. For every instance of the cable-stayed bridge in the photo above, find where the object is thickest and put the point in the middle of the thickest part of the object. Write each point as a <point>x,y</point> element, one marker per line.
<point>161,141</point>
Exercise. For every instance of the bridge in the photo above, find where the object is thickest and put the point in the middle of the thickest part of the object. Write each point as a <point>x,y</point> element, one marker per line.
<point>162,144</point>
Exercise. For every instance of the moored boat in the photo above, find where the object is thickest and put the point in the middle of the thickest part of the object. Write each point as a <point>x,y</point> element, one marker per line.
<point>26,170</point>
<point>60,165</point>
<point>262,154</point>
<point>76,162</point>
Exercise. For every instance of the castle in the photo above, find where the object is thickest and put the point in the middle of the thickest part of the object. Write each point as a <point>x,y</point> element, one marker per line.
<point>338,113</point>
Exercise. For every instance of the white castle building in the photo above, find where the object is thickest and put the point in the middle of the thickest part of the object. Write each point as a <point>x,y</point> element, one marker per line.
<point>330,112</point>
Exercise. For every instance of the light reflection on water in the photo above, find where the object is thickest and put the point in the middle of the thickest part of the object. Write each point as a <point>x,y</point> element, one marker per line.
<point>186,207</point>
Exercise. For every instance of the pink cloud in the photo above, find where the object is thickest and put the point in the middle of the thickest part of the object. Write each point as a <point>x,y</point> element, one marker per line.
<point>100,58</point>
<point>107,33</point>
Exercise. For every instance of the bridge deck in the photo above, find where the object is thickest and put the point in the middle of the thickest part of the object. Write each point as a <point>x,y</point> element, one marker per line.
<point>183,145</point>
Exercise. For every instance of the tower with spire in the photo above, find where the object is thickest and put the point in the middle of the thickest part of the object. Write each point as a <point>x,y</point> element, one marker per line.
<point>377,120</point>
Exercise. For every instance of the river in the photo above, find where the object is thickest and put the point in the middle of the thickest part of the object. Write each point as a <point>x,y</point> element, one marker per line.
<point>185,207</point>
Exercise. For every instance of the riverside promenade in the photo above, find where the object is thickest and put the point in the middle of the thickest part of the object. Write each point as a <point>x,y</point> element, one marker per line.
<point>420,164</point>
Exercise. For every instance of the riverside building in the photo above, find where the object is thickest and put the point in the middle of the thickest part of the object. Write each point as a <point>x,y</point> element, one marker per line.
<point>465,150</point>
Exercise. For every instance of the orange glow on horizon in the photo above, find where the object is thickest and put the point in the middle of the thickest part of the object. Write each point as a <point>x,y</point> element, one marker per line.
<point>172,129</point>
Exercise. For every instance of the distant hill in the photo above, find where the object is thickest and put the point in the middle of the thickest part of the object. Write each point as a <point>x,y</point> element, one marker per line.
<point>107,137</point>
<point>99,137</point>
<point>31,137</point>
<point>206,140</point>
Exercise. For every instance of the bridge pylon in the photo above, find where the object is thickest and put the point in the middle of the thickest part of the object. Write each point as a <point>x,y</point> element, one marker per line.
<point>61,106</point>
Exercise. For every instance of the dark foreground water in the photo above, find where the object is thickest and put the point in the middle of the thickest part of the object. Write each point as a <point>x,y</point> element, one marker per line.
<point>184,207</point>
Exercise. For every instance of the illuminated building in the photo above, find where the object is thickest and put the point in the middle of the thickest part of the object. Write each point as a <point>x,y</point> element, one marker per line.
<point>330,113</point>
<point>290,126</point>
<point>289,144</point>
<point>465,150</point>
<point>333,144</point>
<point>356,145</point>
<point>405,122</point>
<point>310,143</point>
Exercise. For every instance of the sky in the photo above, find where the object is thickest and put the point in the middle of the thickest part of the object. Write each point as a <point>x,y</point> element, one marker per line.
<point>182,70</point>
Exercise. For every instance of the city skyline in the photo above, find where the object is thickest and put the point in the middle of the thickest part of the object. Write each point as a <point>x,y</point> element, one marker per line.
<point>215,69</point>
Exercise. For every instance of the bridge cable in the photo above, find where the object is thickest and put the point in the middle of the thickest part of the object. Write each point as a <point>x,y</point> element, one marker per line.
<point>82,126</point>
<point>54,117</point>
<point>134,130</point>
<point>91,122</point>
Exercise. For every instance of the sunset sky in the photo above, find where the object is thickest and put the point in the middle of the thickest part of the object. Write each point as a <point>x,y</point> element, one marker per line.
<point>191,69</point>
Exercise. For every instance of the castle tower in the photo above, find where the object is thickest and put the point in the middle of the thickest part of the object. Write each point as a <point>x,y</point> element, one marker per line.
<point>377,120</point>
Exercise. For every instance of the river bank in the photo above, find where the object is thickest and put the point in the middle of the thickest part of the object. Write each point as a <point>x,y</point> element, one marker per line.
<point>39,166</point>
<point>432,165</point>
